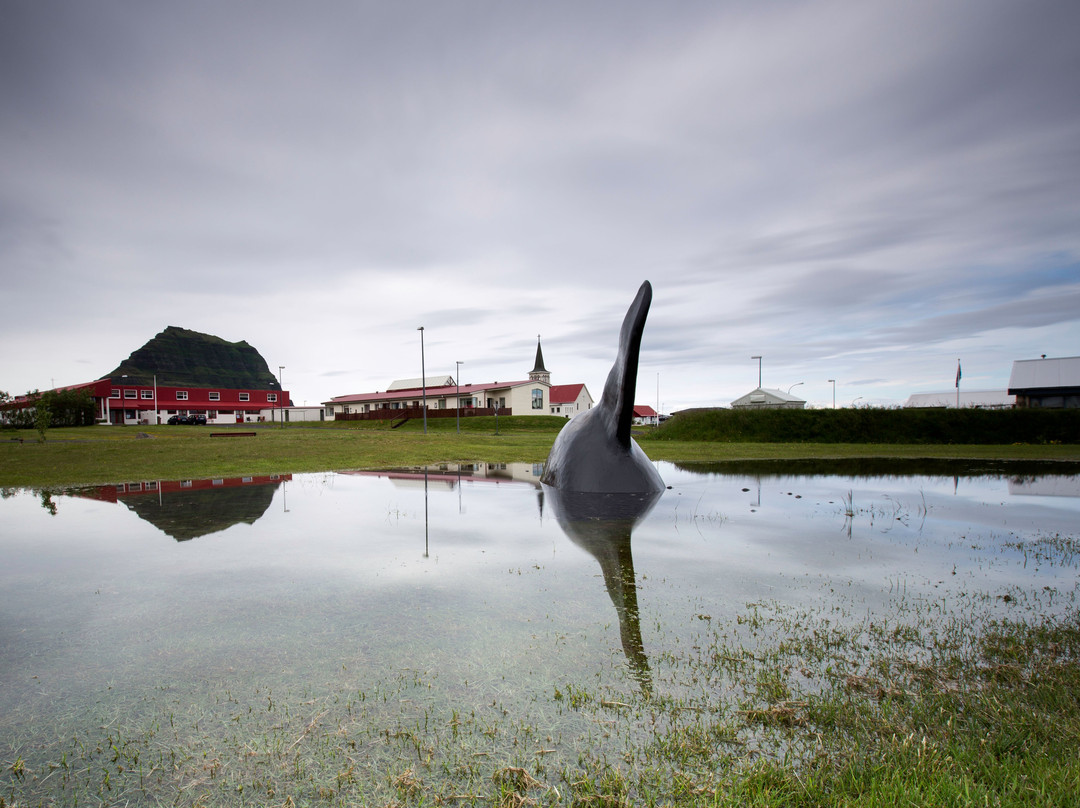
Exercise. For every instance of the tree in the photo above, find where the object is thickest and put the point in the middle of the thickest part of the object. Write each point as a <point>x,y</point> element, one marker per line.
<point>42,419</point>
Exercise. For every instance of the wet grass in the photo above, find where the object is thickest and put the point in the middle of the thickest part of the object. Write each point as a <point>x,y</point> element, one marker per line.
<point>976,704</point>
<point>97,455</point>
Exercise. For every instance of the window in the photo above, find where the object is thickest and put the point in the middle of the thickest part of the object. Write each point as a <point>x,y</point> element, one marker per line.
<point>211,414</point>
<point>114,394</point>
<point>147,394</point>
<point>181,395</point>
<point>215,396</point>
<point>537,398</point>
<point>271,397</point>
<point>245,396</point>
<point>131,394</point>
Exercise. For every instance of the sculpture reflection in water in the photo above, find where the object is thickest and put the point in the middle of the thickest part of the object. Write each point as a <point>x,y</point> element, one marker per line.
<point>601,524</point>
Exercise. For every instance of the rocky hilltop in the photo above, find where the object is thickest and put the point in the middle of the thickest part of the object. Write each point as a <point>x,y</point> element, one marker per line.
<point>183,358</point>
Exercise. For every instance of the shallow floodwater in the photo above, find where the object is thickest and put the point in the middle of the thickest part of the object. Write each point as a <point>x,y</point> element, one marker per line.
<point>154,597</point>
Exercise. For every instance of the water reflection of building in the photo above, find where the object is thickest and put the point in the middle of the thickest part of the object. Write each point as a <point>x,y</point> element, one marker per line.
<point>1049,486</point>
<point>451,474</point>
<point>187,509</point>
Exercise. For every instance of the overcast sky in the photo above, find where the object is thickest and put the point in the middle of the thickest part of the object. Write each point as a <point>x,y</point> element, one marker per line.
<point>857,191</point>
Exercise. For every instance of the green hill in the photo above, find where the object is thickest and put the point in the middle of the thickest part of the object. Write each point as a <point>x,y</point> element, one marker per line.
<point>183,358</point>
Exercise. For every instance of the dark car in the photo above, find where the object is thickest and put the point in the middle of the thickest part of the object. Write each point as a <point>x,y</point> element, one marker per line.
<point>187,419</point>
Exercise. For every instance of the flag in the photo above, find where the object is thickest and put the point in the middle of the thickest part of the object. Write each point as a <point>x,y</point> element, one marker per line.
<point>957,374</point>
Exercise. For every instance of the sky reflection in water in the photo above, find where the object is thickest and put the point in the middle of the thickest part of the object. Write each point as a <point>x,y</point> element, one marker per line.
<point>474,576</point>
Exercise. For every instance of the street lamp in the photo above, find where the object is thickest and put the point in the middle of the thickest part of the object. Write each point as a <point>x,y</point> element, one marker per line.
<point>793,387</point>
<point>457,394</point>
<point>833,393</point>
<point>281,392</point>
<point>758,358</point>
<point>423,375</point>
<point>854,400</point>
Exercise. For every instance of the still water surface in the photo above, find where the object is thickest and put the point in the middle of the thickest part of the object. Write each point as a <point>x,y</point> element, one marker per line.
<point>134,600</point>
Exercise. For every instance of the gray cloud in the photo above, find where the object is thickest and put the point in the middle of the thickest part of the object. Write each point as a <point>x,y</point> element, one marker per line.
<point>855,190</point>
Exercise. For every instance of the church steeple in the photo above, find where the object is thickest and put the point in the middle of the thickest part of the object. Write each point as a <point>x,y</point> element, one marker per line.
<point>539,373</point>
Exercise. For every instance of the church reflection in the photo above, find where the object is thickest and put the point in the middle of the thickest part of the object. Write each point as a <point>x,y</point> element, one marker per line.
<point>188,509</point>
<point>601,524</point>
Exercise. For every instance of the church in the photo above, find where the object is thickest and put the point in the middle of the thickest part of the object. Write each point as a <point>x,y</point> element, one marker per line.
<point>445,395</point>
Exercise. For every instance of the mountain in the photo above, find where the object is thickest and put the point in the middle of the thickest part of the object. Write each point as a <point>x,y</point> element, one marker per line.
<point>183,358</point>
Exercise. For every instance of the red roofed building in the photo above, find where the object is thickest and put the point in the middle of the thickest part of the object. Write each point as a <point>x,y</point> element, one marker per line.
<point>644,414</point>
<point>568,400</point>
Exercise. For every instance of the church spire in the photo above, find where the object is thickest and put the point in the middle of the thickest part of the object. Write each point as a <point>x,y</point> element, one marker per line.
<point>539,373</point>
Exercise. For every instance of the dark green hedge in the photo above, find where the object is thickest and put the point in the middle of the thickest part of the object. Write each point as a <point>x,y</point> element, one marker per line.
<point>874,425</point>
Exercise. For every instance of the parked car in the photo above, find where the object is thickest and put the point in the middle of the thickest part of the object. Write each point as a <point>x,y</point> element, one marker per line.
<point>188,419</point>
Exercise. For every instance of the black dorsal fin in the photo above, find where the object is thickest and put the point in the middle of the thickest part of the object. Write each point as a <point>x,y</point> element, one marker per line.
<point>621,384</point>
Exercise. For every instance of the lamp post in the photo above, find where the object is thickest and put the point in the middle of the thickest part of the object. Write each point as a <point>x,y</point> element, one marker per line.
<point>457,394</point>
<point>281,392</point>
<point>854,400</point>
<point>758,358</point>
<point>833,393</point>
<point>793,387</point>
<point>423,375</point>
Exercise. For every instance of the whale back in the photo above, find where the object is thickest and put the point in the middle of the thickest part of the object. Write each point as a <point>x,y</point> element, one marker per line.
<point>595,452</point>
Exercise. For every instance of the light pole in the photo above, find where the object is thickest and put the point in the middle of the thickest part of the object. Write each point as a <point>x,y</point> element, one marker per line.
<point>281,392</point>
<point>758,358</point>
<point>793,387</point>
<point>423,375</point>
<point>854,400</point>
<point>457,394</point>
<point>833,393</point>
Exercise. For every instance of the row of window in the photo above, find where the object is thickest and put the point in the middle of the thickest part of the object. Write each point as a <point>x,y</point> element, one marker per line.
<point>182,395</point>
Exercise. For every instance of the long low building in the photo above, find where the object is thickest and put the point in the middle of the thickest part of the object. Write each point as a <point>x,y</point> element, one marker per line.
<point>526,397</point>
<point>531,396</point>
<point>122,401</point>
<point>979,399</point>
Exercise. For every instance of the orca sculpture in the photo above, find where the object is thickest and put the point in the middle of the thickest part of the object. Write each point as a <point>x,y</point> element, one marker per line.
<point>594,452</point>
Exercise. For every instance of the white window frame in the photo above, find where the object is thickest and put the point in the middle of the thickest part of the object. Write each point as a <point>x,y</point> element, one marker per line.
<point>181,395</point>
<point>215,395</point>
<point>245,396</point>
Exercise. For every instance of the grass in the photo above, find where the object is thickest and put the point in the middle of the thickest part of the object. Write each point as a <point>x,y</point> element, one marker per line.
<point>777,708</point>
<point>99,455</point>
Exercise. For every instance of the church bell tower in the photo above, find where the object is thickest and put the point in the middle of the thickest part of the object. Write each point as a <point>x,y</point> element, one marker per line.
<point>539,373</point>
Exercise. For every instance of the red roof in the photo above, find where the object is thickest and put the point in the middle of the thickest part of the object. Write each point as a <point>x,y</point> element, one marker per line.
<point>564,393</point>
<point>643,411</point>
<point>415,392</point>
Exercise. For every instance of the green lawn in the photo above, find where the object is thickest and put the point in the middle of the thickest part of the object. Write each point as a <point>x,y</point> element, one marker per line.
<point>118,454</point>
